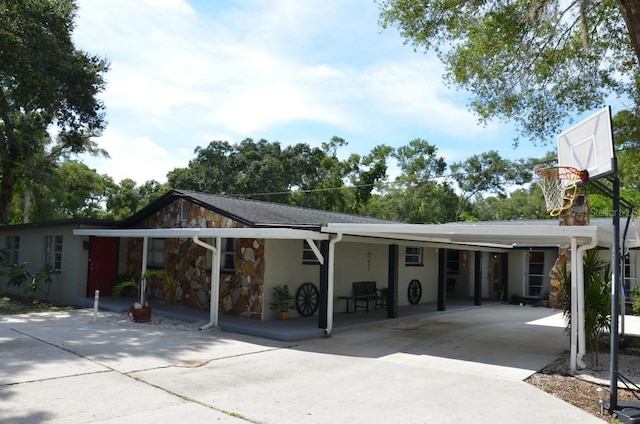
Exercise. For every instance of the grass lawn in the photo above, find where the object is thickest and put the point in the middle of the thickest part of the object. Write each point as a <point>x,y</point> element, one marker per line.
<point>15,304</point>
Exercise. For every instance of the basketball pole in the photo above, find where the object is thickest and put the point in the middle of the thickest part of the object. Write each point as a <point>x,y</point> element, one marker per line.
<point>615,295</point>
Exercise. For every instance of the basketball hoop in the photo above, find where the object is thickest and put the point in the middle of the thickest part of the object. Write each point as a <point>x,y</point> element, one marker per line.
<point>559,185</point>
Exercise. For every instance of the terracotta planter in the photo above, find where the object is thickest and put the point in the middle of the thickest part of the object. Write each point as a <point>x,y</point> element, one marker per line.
<point>141,315</point>
<point>284,315</point>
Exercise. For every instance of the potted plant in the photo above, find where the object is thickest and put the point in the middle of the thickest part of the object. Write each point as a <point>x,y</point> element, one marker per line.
<point>282,301</point>
<point>140,311</point>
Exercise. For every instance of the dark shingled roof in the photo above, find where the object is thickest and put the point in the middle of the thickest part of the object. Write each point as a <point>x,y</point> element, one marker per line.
<point>255,213</point>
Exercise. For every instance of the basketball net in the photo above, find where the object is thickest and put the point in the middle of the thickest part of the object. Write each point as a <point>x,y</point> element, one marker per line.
<point>559,185</point>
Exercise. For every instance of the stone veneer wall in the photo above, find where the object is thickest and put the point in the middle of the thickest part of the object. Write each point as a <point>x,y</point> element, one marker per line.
<point>189,268</point>
<point>578,214</point>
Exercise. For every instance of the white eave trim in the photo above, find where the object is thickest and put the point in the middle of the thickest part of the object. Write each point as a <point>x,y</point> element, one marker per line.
<point>264,233</point>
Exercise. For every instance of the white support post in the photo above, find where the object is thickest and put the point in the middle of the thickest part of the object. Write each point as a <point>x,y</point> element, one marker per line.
<point>143,285</point>
<point>96,299</point>
<point>331,281</point>
<point>215,283</point>
<point>215,280</point>
<point>574,305</point>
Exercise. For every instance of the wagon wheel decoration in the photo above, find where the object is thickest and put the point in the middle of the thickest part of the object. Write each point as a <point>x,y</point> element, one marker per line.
<point>414,292</point>
<point>307,299</point>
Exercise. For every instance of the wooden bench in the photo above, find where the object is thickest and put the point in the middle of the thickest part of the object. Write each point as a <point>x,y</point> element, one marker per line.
<point>365,292</point>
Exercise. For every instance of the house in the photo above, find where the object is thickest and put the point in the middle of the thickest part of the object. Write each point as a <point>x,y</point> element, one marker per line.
<point>52,243</point>
<point>318,254</point>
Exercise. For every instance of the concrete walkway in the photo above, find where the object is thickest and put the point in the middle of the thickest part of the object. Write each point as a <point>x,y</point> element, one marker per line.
<point>458,367</point>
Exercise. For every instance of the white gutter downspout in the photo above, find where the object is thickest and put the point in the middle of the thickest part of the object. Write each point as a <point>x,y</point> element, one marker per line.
<point>215,281</point>
<point>330,283</point>
<point>578,345</point>
<point>143,283</point>
<point>582,350</point>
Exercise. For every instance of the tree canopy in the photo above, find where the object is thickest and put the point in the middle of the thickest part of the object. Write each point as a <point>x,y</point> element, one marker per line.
<point>46,86</point>
<point>535,62</point>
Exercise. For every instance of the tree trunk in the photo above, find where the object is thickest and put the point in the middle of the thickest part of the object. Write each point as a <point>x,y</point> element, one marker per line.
<point>7,185</point>
<point>630,10</point>
<point>26,207</point>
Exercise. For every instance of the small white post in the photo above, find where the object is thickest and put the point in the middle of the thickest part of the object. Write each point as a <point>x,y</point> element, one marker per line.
<point>95,305</point>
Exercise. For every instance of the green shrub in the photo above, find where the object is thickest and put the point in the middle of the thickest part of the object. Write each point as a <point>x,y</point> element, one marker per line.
<point>635,306</point>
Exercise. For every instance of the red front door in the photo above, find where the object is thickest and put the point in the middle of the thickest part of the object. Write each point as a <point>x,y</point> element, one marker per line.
<point>103,265</point>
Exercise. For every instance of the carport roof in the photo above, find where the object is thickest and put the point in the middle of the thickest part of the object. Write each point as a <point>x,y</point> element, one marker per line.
<point>278,221</point>
<point>498,235</point>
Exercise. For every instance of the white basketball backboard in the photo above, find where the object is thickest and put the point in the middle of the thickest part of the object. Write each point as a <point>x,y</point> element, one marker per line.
<point>588,145</point>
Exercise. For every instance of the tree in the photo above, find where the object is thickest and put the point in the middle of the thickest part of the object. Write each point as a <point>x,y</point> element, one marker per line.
<point>126,198</point>
<point>626,133</point>
<point>488,173</point>
<point>370,173</point>
<point>536,62</point>
<point>247,168</point>
<point>73,190</point>
<point>211,170</point>
<point>419,194</point>
<point>298,174</point>
<point>323,187</point>
<point>45,82</point>
<point>523,203</point>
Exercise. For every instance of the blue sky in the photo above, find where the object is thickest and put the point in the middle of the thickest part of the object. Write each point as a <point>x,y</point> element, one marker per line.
<point>184,73</point>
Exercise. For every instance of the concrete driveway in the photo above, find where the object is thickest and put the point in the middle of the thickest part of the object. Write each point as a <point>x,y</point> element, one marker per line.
<point>457,367</point>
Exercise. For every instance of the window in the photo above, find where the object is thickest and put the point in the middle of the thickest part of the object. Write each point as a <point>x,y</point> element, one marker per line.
<point>53,252</point>
<point>413,256</point>
<point>308,257</point>
<point>535,274</point>
<point>12,247</point>
<point>228,252</point>
<point>453,261</point>
<point>629,275</point>
<point>184,213</point>
<point>155,253</point>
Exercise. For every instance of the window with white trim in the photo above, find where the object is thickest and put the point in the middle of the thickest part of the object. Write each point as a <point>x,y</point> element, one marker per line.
<point>53,252</point>
<point>12,247</point>
<point>308,256</point>
<point>156,252</point>
<point>227,254</point>
<point>535,273</point>
<point>413,256</point>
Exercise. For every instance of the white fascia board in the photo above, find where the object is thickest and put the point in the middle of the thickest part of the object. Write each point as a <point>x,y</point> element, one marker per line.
<point>265,233</point>
<point>499,235</point>
<point>133,233</point>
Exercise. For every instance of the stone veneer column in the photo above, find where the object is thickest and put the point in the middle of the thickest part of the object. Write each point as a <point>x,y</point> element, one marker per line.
<point>577,214</point>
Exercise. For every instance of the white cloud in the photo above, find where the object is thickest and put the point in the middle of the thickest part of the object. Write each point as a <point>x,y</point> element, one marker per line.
<point>137,158</point>
<point>182,70</point>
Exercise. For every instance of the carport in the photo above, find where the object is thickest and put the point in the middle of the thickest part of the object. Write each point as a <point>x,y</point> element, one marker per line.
<point>499,236</point>
<point>503,236</point>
